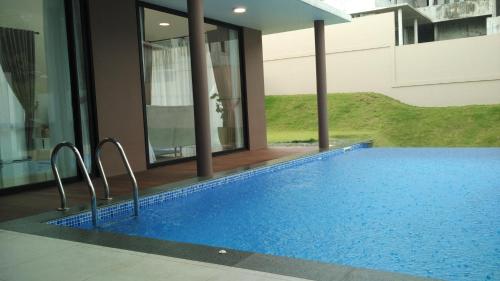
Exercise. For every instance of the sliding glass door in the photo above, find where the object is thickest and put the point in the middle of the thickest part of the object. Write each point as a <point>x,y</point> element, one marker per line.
<point>168,91</point>
<point>36,96</point>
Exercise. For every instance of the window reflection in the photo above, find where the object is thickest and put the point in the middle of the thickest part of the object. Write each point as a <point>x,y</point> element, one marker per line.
<point>224,55</point>
<point>35,91</point>
<point>168,89</point>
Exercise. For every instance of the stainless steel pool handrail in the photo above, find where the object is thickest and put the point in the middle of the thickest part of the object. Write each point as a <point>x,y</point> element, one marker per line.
<point>135,189</point>
<point>81,164</point>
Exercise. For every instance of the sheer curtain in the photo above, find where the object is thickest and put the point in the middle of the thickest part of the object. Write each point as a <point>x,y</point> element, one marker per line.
<point>171,73</point>
<point>225,58</point>
<point>17,57</point>
<point>12,136</point>
<point>12,121</point>
<point>171,79</point>
<point>17,104</point>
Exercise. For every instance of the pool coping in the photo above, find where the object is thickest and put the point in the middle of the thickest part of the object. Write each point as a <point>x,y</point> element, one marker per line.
<point>37,225</point>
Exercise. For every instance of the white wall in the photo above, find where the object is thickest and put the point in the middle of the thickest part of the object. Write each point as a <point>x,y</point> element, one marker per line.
<point>493,25</point>
<point>362,56</point>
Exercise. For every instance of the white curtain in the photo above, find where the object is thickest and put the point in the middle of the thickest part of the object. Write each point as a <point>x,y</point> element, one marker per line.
<point>171,79</point>
<point>171,73</point>
<point>12,137</point>
<point>12,133</point>
<point>230,57</point>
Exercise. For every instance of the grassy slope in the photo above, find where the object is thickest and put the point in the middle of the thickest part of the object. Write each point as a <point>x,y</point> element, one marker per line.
<point>387,121</point>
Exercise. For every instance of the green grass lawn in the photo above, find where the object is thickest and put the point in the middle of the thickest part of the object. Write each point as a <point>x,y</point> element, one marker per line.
<point>388,122</point>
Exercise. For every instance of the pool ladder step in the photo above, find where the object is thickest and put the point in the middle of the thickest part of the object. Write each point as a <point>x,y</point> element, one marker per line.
<point>83,169</point>
<point>55,171</point>
<point>135,188</point>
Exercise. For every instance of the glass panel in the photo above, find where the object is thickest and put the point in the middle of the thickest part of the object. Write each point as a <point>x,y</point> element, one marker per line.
<point>167,80</point>
<point>35,91</point>
<point>225,88</point>
<point>83,95</point>
<point>168,89</point>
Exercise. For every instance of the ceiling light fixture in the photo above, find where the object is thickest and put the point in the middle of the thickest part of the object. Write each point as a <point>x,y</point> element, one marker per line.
<point>239,10</point>
<point>164,24</point>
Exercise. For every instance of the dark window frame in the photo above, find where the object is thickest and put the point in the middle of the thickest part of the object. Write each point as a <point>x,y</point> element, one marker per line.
<point>75,104</point>
<point>140,5</point>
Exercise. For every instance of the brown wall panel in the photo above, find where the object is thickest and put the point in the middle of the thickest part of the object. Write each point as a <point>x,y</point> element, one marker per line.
<point>254,74</point>
<point>116,64</point>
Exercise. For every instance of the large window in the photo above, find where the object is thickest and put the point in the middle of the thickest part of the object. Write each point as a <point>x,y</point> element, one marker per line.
<point>168,91</point>
<point>38,104</point>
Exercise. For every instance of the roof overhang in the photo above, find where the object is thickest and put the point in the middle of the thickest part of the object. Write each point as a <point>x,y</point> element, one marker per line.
<point>269,16</point>
<point>409,14</point>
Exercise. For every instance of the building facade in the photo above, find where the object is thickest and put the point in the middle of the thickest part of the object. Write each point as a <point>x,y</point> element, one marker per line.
<point>171,80</point>
<point>436,20</point>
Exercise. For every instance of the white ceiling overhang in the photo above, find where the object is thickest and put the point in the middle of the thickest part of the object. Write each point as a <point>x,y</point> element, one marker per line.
<point>269,16</point>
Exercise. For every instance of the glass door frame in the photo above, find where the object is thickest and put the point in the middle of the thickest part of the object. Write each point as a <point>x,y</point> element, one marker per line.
<point>140,5</point>
<point>75,103</point>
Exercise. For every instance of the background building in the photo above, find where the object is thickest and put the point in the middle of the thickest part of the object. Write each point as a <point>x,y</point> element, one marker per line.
<point>436,20</point>
<point>369,54</point>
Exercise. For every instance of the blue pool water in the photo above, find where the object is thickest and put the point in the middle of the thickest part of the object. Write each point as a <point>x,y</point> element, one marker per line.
<point>425,212</point>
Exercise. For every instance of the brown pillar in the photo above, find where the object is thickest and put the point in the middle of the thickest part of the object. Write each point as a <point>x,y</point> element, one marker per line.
<point>319,40</point>
<point>255,99</point>
<point>200,88</point>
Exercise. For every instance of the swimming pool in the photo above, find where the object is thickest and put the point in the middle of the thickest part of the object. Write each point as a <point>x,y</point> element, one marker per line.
<point>427,212</point>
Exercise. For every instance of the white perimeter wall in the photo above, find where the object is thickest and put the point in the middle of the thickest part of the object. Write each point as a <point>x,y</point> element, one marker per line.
<point>362,57</point>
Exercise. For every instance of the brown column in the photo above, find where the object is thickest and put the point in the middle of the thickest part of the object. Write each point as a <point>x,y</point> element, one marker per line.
<point>200,88</point>
<point>255,98</point>
<point>319,40</point>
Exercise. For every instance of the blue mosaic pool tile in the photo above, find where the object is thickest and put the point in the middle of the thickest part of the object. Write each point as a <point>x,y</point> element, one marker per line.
<point>124,209</point>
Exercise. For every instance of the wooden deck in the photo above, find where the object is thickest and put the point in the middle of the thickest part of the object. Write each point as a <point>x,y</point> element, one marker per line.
<point>37,201</point>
